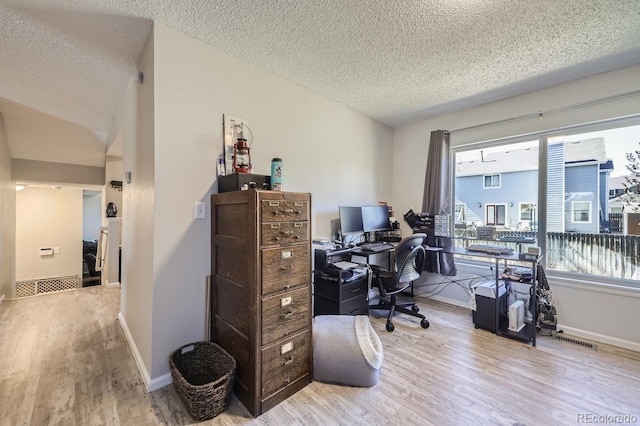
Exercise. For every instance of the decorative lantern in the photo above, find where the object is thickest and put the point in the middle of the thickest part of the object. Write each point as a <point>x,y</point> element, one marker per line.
<point>241,157</point>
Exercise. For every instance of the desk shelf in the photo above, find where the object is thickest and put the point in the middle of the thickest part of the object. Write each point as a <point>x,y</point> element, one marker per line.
<point>528,332</point>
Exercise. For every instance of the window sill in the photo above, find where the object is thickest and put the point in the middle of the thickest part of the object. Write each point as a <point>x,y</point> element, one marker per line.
<point>591,283</point>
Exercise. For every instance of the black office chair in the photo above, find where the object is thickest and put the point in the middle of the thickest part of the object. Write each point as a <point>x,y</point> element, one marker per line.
<point>408,266</point>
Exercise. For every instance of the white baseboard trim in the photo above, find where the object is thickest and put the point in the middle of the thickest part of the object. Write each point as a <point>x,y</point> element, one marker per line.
<point>451,301</point>
<point>134,350</point>
<point>115,284</point>
<point>151,385</point>
<point>596,337</point>
<point>1,298</point>
<point>160,382</point>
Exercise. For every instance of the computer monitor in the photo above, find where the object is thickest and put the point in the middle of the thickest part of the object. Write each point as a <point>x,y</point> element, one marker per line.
<point>375,218</point>
<point>350,220</point>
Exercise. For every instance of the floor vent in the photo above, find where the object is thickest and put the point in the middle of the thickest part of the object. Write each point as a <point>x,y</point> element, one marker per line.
<point>576,342</point>
<point>45,285</point>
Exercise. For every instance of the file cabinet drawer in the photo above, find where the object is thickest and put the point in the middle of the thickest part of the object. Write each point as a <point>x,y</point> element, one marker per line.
<point>285,362</point>
<point>284,233</point>
<point>336,291</point>
<point>284,315</point>
<point>284,268</point>
<point>281,210</point>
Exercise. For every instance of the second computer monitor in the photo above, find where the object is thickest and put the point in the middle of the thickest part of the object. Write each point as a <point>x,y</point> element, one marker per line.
<point>350,219</point>
<point>375,218</point>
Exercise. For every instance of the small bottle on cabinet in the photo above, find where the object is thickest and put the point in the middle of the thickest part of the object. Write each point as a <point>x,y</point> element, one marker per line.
<point>276,174</point>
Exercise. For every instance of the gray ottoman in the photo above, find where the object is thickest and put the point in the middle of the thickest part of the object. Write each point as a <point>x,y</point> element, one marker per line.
<point>346,350</point>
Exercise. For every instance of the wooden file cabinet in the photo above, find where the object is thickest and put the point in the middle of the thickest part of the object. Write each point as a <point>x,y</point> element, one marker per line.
<point>261,292</point>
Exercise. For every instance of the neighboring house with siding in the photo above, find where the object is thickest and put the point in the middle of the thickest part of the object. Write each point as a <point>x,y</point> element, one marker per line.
<point>501,189</point>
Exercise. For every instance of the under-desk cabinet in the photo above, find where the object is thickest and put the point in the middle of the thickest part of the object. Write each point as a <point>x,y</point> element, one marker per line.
<point>261,292</point>
<point>335,292</point>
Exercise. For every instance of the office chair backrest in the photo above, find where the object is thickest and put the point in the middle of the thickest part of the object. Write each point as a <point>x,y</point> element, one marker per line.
<point>410,257</point>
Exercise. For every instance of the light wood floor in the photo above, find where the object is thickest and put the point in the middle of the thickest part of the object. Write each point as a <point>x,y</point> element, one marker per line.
<point>64,360</point>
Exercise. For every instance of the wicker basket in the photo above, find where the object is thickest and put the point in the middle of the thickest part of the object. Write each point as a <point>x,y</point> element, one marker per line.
<point>203,375</point>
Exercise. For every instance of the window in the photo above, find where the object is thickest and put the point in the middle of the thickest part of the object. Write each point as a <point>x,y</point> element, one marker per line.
<point>584,230</point>
<point>581,211</point>
<point>496,214</point>
<point>491,181</point>
<point>527,211</point>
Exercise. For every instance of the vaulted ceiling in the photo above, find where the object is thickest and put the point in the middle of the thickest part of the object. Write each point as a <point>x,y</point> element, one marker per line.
<point>396,61</point>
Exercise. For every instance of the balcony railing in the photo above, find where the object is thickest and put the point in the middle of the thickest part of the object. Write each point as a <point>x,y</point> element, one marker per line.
<point>607,255</point>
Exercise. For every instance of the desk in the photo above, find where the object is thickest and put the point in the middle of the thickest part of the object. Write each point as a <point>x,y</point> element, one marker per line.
<point>528,333</point>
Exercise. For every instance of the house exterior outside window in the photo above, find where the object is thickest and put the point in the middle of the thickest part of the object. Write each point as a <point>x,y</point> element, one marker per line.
<point>492,181</point>
<point>571,217</point>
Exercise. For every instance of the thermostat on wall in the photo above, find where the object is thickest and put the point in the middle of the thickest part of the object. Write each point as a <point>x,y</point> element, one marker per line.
<point>46,251</point>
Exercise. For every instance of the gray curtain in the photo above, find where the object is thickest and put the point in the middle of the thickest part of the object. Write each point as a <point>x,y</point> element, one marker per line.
<point>437,199</point>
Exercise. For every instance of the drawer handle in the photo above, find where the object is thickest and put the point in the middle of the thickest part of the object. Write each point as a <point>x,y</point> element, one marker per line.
<point>286,268</point>
<point>287,362</point>
<point>355,310</point>
<point>287,381</point>
<point>287,315</point>
<point>287,286</point>
<point>355,290</point>
<point>297,237</point>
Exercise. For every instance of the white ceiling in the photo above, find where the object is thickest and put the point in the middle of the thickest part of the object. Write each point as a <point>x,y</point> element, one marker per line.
<point>396,61</point>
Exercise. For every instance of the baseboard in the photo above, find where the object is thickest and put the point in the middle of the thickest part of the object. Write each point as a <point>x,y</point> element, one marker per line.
<point>134,350</point>
<point>1,298</point>
<point>160,382</point>
<point>115,284</point>
<point>451,301</point>
<point>596,337</point>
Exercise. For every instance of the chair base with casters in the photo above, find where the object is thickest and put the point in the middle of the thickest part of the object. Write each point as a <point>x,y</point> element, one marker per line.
<point>394,306</point>
<point>407,267</point>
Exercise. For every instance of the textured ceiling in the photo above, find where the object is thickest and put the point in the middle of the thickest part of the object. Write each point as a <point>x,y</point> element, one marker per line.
<point>396,61</point>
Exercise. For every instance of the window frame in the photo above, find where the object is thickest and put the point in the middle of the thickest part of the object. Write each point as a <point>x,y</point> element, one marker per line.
<point>495,205</point>
<point>589,212</point>
<point>492,175</point>
<point>542,137</point>
<point>520,205</point>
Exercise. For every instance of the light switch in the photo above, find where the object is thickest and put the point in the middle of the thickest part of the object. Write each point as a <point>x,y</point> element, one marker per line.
<point>200,212</point>
<point>56,250</point>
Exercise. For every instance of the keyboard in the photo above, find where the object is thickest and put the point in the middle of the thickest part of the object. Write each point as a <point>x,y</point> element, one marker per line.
<point>483,248</point>
<point>376,247</point>
<point>517,239</point>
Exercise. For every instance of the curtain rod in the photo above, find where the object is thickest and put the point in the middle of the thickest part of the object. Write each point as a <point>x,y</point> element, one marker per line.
<point>540,114</point>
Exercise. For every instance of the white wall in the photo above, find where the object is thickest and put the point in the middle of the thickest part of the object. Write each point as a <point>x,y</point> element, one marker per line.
<point>47,217</point>
<point>411,145</point>
<point>336,154</point>
<point>113,171</point>
<point>7,218</point>
<point>135,123</point>
<point>92,213</point>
